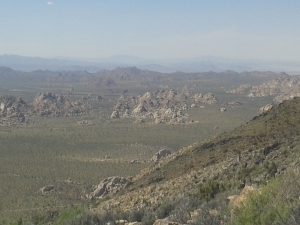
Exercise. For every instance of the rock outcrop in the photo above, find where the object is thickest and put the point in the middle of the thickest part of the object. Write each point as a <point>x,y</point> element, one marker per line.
<point>12,110</point>
<point>265,108</point>
<point>47,189</point>
<point>284,88</point>
<point>110,185</point>
<point>161,154</point>
<point>162,106</point>
<point>50,104</point>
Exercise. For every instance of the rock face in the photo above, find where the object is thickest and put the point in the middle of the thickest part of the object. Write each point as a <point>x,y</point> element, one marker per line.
<point>266,108</point>
<point>110,185</point>
<point>12,110</point>
<point>284,88</point>
<point>162,106</point>
<point>50,104</point>
<point>163,153</point>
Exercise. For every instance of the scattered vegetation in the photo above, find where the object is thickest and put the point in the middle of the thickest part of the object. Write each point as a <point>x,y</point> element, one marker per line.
<point>276,203</point>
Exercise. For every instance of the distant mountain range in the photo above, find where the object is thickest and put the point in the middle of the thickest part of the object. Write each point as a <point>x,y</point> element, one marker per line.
<point>200,64</point>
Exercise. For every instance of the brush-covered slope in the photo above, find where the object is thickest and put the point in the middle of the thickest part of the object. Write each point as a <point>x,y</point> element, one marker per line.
<point>254,153</point>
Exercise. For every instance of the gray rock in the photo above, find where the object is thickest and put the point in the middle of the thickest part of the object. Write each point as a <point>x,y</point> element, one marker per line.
<point>163,153</point>
<point>110,185</point>
<point>47,189</point>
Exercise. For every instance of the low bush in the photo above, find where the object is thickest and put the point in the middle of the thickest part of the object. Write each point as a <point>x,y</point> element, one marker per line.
<point>275,204</point>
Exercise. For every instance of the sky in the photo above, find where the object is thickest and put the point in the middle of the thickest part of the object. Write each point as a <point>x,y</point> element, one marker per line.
<point>160,29</point>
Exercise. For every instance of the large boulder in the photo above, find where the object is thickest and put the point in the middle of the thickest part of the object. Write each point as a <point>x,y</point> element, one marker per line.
<point>265,108</point>
<point>110,185</point>
<point>163,153</point>
<point>47,189</point>
<point>115,115</point>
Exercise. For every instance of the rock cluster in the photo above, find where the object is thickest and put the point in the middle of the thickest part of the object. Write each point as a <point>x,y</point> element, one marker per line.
<point>265,108</point>
<point>241,90</point>
<point>162,106</point>
<point>284,88</point>
<point>110,185</point>
<point>47,189</point>
<point>15,111</point>
<point>50,104</point>
<point>163,153</point>
<point>12,110</point>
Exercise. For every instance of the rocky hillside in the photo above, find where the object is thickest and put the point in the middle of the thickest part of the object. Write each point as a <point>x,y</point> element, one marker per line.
<point>283,88</point>
<point>252,154</point>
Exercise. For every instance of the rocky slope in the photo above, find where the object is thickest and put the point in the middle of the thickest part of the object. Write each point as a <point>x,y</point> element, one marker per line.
<point>252,154</point>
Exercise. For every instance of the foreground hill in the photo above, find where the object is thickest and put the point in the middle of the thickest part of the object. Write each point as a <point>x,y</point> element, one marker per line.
<point>196,181</point>
<point>252,154</point>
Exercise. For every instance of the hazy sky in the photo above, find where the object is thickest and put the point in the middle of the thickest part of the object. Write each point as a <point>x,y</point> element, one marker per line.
<point>246,29</point>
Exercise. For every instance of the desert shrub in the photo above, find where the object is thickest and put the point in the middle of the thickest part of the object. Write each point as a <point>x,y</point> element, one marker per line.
<point>207,219</point>
<point>244,173</point>
<point>273,205</point>
<point>209,190</point>
<point>136,216</point>
<point>88,219</point>
<point>70,216</point>
<point>271,168</point>
<point>164,210</point>
<point>180,214</point>
<point>148,219</point>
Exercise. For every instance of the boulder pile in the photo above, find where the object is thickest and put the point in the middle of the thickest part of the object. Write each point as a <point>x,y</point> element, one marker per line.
<point>161,154</point>
<point>265,108</point>
<point>12,110</point>
<point>284,88</point>
<point>161,106</point>
<point>50,104</point>
<point>110,185</point>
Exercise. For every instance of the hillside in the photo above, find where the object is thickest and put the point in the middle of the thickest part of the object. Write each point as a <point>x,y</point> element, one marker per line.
<point>198,177</point>
<point>252,154</point>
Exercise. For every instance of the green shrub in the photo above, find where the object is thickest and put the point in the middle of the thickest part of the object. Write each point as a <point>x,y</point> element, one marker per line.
<point>209,190</point>
<point>136,216</point>
<point>164,210</point>
<point>271,168</point>
<point>273,205</point>
<point>70,216</point>
<point>148,219</point>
